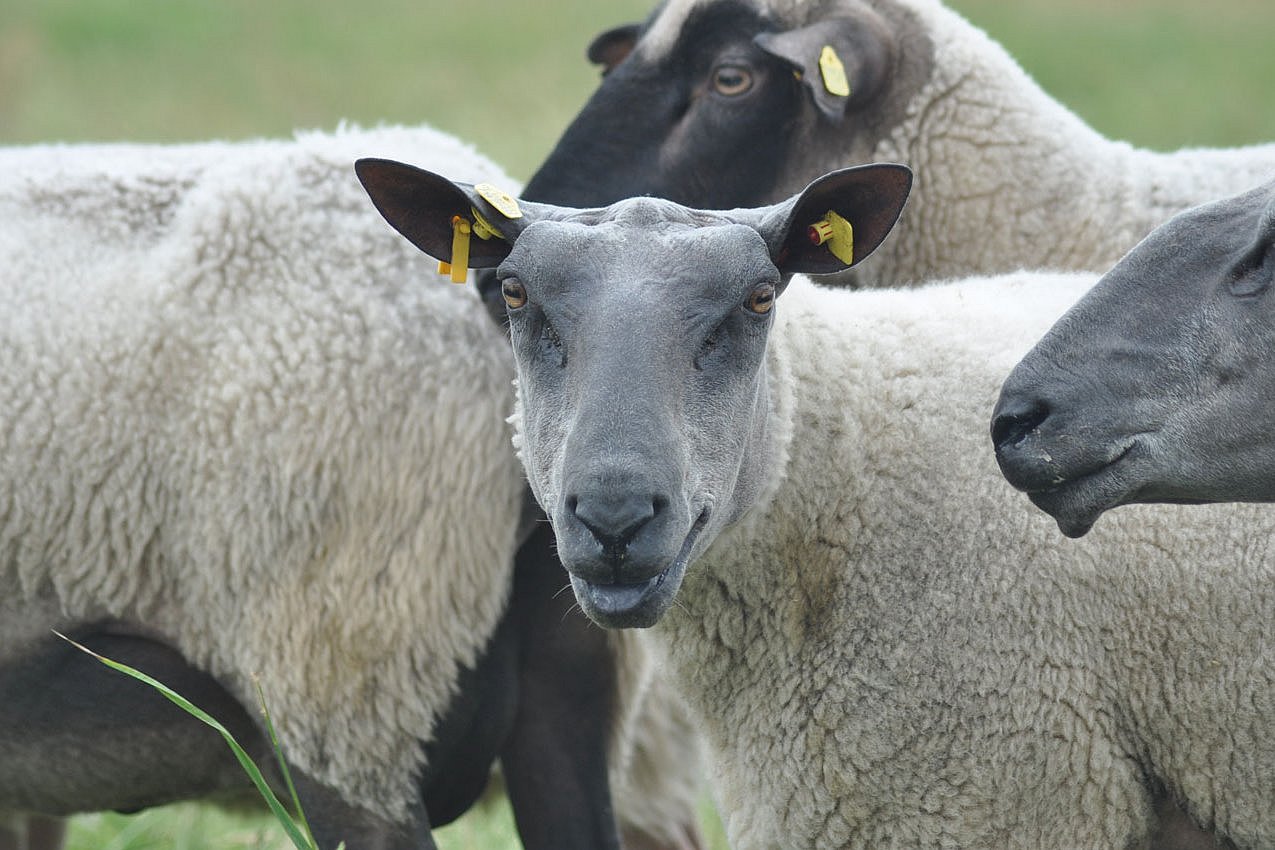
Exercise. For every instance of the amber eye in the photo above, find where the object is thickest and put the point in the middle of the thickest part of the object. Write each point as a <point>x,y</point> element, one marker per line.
<point>514,292</point>
<point>732,80</point>
<point>761,299</point>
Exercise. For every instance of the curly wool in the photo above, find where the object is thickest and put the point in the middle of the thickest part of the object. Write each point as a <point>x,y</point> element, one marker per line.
<point>896,650</point>
<point>233,402</point>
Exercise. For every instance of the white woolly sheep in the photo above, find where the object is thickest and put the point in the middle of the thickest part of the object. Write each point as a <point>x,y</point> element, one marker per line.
<point>700,106</point>
<point>886,646</point>
<point>247,432</point>
<point>1158,385</point>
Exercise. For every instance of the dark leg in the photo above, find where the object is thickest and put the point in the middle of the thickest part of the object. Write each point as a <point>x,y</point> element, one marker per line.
<point>555,763</point>
<point>45,833</point>
<point>333,820</point>
<point>77,736</point>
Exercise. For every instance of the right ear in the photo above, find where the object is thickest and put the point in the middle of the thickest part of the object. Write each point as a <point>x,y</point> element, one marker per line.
<point>837,221</point>
<point>855,49</point>
<point>421,205</point>
<point>613,46</point>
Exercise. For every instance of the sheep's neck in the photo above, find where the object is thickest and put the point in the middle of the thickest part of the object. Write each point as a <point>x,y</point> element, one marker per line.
<point>1009,178</point>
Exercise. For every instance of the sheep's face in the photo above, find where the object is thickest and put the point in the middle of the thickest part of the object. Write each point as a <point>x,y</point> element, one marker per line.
<point>1157,386</point>
<point>639,333</point>
<point>642,393</point>
<point>722,103</point>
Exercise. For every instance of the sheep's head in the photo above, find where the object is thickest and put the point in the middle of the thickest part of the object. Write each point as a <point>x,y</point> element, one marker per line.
<point>720,103</point>
<point>1157,386</point>
<point>640,332</point>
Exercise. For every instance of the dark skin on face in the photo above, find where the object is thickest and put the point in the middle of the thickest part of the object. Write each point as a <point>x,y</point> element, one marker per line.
<point>700,125</point>
<point>602,305</point>
<point>1157,386</point>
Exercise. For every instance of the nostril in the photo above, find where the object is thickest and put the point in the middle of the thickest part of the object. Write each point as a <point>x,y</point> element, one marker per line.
<point>1016,420</point>
<point>614,522</point>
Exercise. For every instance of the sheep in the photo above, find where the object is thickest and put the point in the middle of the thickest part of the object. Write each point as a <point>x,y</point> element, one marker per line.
<point>721,103</point>
<point>247,435</point>
<point>1157,386</point>
<point>791,486</point>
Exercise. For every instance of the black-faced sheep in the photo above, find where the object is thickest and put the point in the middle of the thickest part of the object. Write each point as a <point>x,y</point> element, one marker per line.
<point>722,103</point>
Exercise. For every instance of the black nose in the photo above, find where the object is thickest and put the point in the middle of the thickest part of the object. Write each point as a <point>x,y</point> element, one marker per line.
<point>615,520</point>
<point>1015,418</point>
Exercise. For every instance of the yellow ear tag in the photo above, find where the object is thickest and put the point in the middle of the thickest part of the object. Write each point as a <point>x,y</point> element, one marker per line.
<point>482,227</point>
<point>837,234</point>
<point>458,268</point>
<point>504,202</point>
<point>833,72</point>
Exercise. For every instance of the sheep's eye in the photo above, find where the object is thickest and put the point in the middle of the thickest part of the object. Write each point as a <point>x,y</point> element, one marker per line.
<point>761,299</point>
<point>732,80</point>
<point>514,292</point>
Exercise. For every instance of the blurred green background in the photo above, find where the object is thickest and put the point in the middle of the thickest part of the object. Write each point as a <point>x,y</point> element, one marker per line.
<point>508,76</point>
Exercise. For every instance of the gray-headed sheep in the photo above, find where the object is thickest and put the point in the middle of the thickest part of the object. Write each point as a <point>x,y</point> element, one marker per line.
<point>1158,384</point>
<point>886,646</point>
<point>247,433</point>
<point>721,103</point>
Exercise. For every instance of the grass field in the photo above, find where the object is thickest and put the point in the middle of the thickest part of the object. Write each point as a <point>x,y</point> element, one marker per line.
<point>508,76</point>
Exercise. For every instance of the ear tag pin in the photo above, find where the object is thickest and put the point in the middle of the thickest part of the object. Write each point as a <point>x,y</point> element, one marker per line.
<point>836,233</point>
<point>458,268</point>
<point>833,72</point>
<point>482,227</point>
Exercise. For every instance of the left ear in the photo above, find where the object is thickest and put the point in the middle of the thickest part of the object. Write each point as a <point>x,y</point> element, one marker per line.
<point>612,47</point>
<point>843,61</point>
<point>424,207</point>
<point>837,221</point>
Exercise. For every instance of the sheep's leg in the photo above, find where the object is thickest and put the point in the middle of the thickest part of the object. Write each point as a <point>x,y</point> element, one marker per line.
<point>555,762</point>
<point>45,833</point>
<point>77,736</point>
<point>333,820</point>
<point>33,832</point>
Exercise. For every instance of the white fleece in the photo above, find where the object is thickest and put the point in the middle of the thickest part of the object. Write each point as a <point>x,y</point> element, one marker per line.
<point>242,412</point>
<point>1008,177</point>
<point>896,650</point>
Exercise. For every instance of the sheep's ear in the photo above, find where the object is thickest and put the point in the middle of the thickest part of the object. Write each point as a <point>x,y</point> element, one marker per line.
<point>837,221</point>
<point>613,46</point>
<point>422,206</point>
<point>843,61</point>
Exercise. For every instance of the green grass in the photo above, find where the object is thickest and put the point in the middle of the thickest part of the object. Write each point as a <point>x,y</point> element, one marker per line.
<point>508,76</point>
<point>192,826</point>
<point>1159,73</point>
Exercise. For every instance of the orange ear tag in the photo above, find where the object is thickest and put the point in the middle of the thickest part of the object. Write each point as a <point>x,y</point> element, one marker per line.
<point>835,232</point>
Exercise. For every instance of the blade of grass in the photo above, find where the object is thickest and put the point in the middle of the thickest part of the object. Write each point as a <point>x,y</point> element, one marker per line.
<point>254,773</point>
<point>283,763</point>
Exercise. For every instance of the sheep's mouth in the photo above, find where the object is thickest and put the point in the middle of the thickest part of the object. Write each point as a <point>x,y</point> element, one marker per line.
<point>638,605</point>
<point>1076,503</point>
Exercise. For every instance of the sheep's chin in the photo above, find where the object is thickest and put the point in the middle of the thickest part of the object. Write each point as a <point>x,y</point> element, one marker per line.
<point>1076,504</point>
